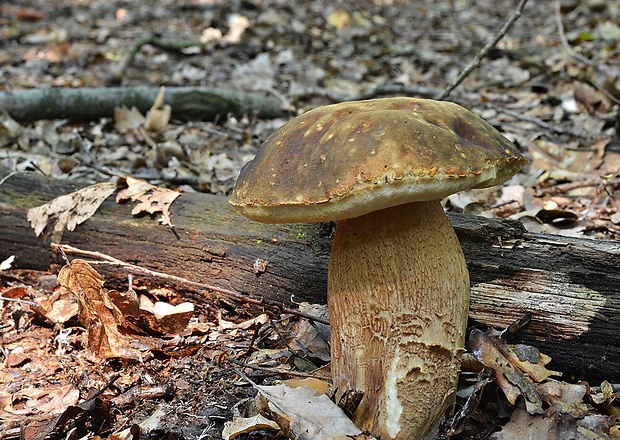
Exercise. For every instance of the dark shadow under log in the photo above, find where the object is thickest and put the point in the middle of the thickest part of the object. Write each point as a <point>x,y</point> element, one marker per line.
<point>571,285</point>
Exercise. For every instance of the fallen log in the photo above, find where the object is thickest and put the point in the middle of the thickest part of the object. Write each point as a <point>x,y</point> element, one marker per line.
<point>88,104</point>
<point>570,285</point>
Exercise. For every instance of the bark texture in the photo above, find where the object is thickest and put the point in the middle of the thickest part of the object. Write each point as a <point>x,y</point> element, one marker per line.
<point>398,294</point>
<point>569,284</point>
<point>85,104</point>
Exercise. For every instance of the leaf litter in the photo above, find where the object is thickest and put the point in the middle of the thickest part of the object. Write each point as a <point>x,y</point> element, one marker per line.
<point>70,210</point>
<point>558,102</point>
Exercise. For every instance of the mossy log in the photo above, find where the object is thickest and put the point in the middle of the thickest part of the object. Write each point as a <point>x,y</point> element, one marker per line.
<point>570,285</point>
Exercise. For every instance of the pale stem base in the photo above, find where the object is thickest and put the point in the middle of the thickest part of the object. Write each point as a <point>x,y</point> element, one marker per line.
<point>398,295</point>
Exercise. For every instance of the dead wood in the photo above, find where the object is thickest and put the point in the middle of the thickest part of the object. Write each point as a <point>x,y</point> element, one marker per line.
<point>87,104</point>
<point>570,285</point>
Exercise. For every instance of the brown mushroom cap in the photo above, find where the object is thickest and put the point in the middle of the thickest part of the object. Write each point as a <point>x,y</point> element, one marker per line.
<point>345,160</point>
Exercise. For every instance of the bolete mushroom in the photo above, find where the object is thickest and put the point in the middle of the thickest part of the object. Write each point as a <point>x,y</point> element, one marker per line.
<point>398,285</point>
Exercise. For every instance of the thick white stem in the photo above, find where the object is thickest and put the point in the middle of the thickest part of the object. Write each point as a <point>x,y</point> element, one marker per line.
<point>398,296</point>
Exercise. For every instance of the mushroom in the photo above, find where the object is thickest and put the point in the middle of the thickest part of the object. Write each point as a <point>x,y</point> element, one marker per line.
<point>398,285</point>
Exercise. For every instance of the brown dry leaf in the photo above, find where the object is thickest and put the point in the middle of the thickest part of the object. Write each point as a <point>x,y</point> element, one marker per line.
<point>104,337</point>
<point>70,210</point>
<point>123,306</point>
<point>242,425</point>
<point>152,199</point>
<point>319,385</point>
<point>303,413</point>
<point>565,161</point>
<point>227,325</point>
<point>606,396</point>
<point>59,308</point>
<point>147,426</point>
<point>126,303</point>
<point>491,352</point>
<point>14,292</point>
<point>564,398</point>
<point>530,361</point>
<point>163,317</point>
<point>44,400</point>
<point>159,115</point>
<point>81,414</point>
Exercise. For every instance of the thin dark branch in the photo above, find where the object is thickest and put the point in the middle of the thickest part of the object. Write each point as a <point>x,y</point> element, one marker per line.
<point>276,371</point>
<point>382,89</point>
<point>542,124</point>
<point>171,46</point>
<point>483,52</point>
<point>564,40</point>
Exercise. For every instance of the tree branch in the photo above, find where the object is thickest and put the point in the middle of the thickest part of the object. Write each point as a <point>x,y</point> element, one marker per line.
<point>483,52</point>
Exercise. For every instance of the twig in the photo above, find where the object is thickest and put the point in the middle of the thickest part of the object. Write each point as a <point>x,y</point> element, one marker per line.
<point>517,326</point>
<point>383,89</point>
<point>541,123</point>
<point>264,302</point>
<point>483,52</point>
<point>98,393</point>
<point>12,173</point>
<point>276,371</point>
<point>20,301</point>
<point>170,46</point>
<point>564,40</point>
<point>565,187</point>
<point>457,423</point>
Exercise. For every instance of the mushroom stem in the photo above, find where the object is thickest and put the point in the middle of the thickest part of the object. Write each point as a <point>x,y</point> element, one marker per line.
<point>398,294</point>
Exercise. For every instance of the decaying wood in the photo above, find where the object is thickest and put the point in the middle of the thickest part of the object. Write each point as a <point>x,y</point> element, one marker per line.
<point>87,104</point>
<point>571,285</point>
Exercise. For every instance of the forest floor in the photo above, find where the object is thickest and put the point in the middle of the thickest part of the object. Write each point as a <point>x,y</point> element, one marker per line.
<point>551,85</point>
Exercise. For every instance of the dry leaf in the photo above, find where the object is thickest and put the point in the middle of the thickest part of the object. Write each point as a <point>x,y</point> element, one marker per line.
<point>304,413</point>
<point>564,398</point>
<point>59,309</point>
<point>6,264</point>
<point>44,400</point>
<point>530,361</point>
<point>151,199</point>
<point>70,210</point>
<point>140,430</point>
<point>227,325</point>
<point>103,334</point>
<point>312,338</point>
<point>525,426</point>
<point>319,385</point>
<point>242,425</point>
<point>491,351</point>
<point>127,120</point>
<point>165,318</point>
